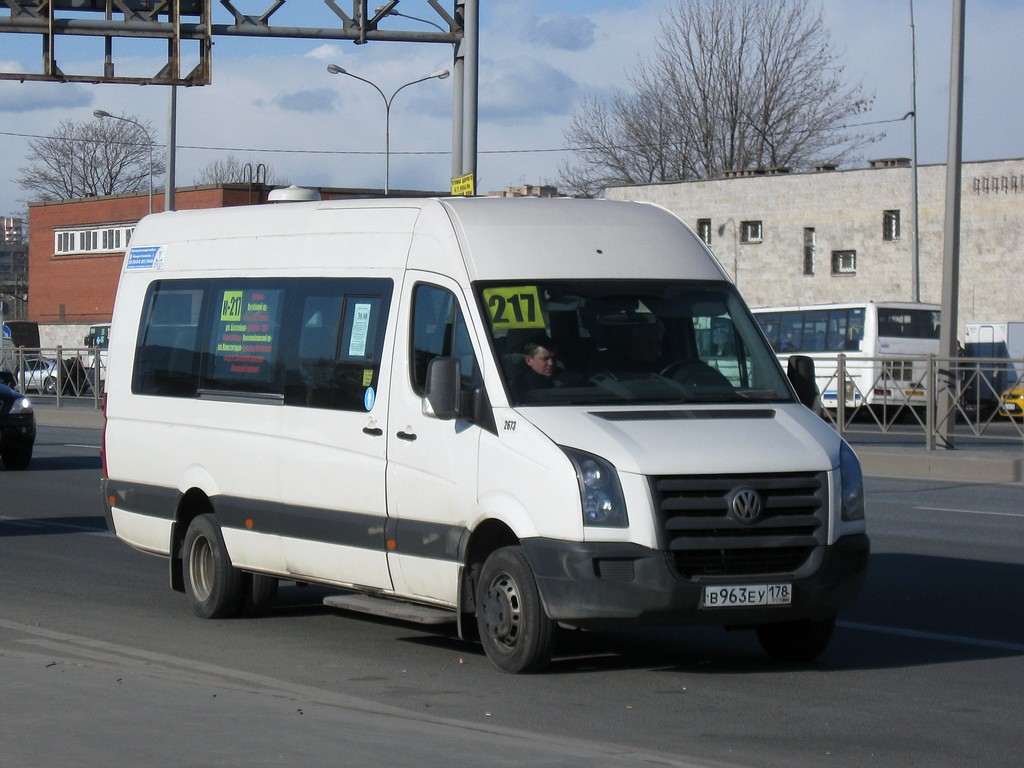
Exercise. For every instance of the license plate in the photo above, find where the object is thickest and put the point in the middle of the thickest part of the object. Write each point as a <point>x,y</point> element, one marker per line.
<point>747,595</point>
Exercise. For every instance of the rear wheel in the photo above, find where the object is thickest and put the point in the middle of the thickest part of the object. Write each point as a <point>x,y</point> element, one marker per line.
<point>796,641</point>
<point>515,631</point>
<point>212,584</point>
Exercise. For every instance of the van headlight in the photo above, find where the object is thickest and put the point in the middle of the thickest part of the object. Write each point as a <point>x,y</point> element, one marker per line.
<point>851,481</point>
<point>600,492</point>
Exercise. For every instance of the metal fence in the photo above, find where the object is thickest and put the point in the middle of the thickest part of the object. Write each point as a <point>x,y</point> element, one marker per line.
<point>962,397</point>
<point>58,372</point>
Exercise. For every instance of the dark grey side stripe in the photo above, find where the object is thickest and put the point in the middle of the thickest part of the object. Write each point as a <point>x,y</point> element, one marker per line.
<point>329,526</point>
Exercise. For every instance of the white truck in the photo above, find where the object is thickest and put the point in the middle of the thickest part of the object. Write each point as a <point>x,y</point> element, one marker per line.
<point>328,392</point>
<point>993,342</point>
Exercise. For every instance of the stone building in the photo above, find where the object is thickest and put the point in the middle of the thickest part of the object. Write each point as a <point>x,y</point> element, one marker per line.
<point>847,235</point>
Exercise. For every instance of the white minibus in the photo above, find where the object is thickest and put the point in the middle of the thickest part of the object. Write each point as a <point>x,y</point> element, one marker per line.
<point>886,346</point>
<point>348,393</point>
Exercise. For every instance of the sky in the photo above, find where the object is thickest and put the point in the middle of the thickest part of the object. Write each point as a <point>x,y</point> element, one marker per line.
<point>272,101</point>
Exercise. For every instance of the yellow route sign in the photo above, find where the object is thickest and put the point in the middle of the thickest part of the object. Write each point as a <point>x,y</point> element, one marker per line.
<point>514,306</point>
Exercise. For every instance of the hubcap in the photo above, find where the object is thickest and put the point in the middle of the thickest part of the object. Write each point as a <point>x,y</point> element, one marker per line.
<point>200,568</point>
<point>503,611</point>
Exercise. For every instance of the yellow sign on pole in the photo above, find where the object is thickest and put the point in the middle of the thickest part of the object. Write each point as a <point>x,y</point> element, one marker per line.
<point>464,185</point>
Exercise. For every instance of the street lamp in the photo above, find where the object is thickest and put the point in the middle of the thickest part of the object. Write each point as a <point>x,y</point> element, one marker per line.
<point>334,69</point>
<point>406,16</point>
<point>100,113</point>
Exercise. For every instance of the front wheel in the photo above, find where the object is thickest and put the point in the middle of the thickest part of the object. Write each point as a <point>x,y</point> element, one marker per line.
<point>796,641</point>
<point>17,458</point>
<point>212,584</point>
<point>515,631</point>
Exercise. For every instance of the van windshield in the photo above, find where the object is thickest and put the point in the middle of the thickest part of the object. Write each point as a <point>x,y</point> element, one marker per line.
<point>598,342</point>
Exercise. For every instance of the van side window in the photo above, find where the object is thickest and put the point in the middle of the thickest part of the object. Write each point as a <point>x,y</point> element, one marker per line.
<point>246,338</point>
<point>167,350</point>
<point>314,343</point>
<point>338,350</point>
<point>439,330</point>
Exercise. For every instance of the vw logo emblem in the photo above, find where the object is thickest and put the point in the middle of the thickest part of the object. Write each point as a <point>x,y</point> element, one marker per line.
<point>746,505</point>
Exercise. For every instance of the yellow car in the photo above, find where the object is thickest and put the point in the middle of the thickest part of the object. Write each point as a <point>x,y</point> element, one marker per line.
<point>1012,402</point>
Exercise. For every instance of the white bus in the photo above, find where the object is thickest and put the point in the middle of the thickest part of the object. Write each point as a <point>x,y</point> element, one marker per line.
<point>886,345</point>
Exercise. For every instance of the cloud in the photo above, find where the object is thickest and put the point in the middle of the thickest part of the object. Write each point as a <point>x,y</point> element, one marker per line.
<point>326,52</point>
<point>310,100</point>
<point>520,88</point>
<point>18,97</point>
<point>567,33</point>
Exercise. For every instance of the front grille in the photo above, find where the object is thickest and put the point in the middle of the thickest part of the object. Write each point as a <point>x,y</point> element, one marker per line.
<point>705,537</point>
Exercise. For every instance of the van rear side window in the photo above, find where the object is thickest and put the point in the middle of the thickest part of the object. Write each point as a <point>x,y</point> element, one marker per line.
<point>304,342</point>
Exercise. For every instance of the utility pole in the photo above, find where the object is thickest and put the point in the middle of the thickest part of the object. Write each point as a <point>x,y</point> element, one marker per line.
<point>948,347</point>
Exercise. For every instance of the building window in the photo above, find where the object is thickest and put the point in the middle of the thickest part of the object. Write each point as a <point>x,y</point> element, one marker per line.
<point>890,226</point>
<point>704,230</point>
<point>750,231</point>
<point>87,240</point>
<point>808,250</point>
<point>844,262</point>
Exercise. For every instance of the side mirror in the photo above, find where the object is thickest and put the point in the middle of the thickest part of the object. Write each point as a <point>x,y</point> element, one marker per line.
<point>801,376</point>
<point>443,396</point>
<point>6,377</point>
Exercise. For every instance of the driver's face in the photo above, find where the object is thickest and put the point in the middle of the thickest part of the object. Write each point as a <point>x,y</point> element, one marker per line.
<point>542,361</point>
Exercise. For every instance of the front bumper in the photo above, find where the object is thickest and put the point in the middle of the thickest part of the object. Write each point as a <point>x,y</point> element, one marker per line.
<point>594,585</point>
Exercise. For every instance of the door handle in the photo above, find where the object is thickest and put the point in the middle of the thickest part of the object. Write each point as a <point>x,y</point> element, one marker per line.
<point>373,431</point>
<point>410,436</point>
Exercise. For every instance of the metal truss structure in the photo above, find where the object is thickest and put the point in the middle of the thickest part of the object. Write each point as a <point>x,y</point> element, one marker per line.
<point>191,21</point>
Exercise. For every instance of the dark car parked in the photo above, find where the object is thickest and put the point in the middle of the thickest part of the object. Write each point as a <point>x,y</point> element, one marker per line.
<point>17,425</point>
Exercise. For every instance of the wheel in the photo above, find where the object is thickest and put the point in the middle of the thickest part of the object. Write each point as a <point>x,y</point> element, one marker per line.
<point>212,584</point>
<point>796,641</point>
<point>17,458</point>
<point>259,593</point>
<point>515,631</point>
<point>49,385</point>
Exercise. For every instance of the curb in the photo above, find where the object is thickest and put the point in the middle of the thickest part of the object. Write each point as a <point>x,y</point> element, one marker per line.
<point>69,417</point>
<point>961,466</point>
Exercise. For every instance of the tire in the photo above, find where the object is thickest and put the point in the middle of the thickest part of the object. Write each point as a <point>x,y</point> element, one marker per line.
<point>49,386</point>
<point>259,593</point>
<point>517,635</point>
<point>17,458</point>
<point>796,641</point>
<point>212,584</point>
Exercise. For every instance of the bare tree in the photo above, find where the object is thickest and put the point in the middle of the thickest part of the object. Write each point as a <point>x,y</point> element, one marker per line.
<point>734,84</point>
<point>97,157</point>
<point>231,170</point>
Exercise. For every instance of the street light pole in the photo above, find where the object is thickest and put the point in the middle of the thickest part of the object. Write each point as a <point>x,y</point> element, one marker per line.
<point>334,69</point>
<point>100,113</point>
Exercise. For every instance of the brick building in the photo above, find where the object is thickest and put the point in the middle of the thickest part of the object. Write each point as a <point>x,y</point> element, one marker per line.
<point>76,247</point>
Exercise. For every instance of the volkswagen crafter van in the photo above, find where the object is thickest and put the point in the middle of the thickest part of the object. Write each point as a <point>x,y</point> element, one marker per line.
<point>336,393</point>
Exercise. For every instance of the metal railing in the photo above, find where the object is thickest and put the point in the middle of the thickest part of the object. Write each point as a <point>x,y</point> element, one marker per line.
<point>58,372</point>
<point>942,397</point>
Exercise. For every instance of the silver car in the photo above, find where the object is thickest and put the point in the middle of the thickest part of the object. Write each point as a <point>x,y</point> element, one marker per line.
<point>39,374</point>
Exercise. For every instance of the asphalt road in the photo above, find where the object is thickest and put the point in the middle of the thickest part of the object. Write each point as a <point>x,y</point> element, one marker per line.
<point>102,664</point>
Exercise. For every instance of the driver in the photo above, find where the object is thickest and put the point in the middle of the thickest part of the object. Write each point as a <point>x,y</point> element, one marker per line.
<point>538,369</point>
